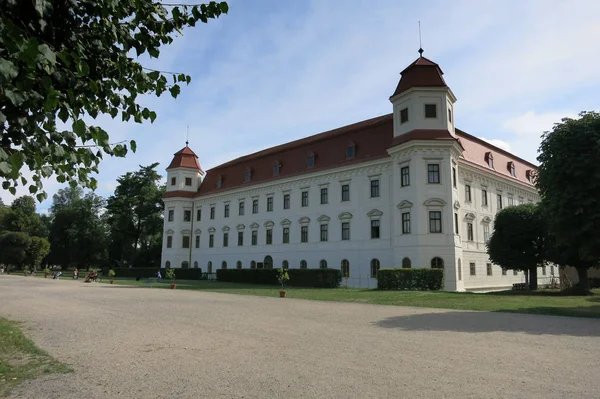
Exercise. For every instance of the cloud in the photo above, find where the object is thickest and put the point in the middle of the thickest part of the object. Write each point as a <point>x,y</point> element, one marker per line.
<point>533,123</point>
<point>498,143</point>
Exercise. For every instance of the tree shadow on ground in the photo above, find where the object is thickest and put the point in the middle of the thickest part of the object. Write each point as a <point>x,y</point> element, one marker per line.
<point>482,322</point>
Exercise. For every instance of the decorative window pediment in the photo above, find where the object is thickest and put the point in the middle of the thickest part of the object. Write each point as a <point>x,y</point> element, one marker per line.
<point>374,213</point>
<point>269,223</point>
<point>456,205</point>
<point>286,222</point>
<point>470,216</point>
<point>240,227</point>
<point>405,204</point>
<point>197,231</point>
<point>486,219</point>
<point>345,216</point>
<point>170,231</point>
<point>211,229</point>
<point>435,202</point>
<point>323,218</point>
<point>186,231</point>
<point>254,226</point>
<point>304,220</point>
<point>225,228</point>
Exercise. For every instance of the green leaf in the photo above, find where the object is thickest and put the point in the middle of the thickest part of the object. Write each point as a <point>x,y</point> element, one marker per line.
<point>175,90</point>
<point>8,69</point>
<point>41,196</point>
<point>3,154</point>
<point>152,116</point>
<point>12,190</point>
<point>188,79</point>
<point>224,7</point>
<point>153,75</point>
<point>51,103</point>
<point>79,127</point>
<point>16,161</point>
<point>63,114</point>
<point>15,97</point>
<point>32,189</point>
<point>2,117</point>
<point>133,145</point>
<point>4,168</point>
<point>48,54</point>
<point>114,112</point>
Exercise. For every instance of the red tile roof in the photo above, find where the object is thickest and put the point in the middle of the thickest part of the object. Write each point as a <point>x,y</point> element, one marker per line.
<point>421,73</point>
<point>371,139</point>
<point>185,158</point>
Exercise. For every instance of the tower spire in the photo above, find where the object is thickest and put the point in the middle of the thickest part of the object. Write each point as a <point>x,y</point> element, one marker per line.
<point>420,45</point>
<point>187,137</point>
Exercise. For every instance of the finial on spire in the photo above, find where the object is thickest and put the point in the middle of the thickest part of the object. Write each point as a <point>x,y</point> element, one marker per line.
<point>420,45</point>
<point>187,138</point>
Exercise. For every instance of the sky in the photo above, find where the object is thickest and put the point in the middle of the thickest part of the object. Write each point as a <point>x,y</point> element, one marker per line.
<point>271,71</point>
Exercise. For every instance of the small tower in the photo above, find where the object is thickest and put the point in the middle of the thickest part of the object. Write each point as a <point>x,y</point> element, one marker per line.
<point>184,172</point>
<point>422,99</point>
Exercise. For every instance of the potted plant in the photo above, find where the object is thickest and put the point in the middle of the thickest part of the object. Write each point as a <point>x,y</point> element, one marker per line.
<point>283,277</point>
<point>170,274</point>
<point>46,272</point>
<point>111,274</point>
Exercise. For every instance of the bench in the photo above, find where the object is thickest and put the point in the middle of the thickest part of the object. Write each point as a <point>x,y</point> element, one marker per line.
<point>519,286</point>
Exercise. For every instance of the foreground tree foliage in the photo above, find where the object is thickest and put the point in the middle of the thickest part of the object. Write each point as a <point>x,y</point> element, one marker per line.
<point>73,58</point>
<point>569,185</point>
<point>518,240</point>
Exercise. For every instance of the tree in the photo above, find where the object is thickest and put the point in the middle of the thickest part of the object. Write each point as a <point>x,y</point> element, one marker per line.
<point>517,242</point>
<point>13,248</point>
<point>37,250</point>
<point>21,217</point>
<point>71,59</point>
<point>570,187</point>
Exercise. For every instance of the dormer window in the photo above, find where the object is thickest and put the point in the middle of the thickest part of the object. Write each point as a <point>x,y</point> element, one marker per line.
<point>248,175</point>
<point>529,175</point>
<point>430,111</point>
<point>350,150</point>
<point>173,181</point>
<point>489,158</point>
<point>219,181</point>
<point>276,168</point>
<point>512,169</point>
<point>310,160</point>
<point>404,115</point>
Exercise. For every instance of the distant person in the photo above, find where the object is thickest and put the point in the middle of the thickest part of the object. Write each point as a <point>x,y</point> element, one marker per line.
<point>1,269</point>
<point>75,274</point>
<point>158,275</point>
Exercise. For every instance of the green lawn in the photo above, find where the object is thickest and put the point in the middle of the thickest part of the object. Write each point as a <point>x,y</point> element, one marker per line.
<point>20,359</point>
<point>541,302</point>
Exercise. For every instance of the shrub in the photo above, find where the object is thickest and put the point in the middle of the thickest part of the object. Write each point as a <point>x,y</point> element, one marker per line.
<point>316,278</point>
<point>410,279</point>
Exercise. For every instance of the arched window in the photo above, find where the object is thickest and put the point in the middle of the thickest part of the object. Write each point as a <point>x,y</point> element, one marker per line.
<point>195,264</point>
<point>253,265</point>
<point>268,262</point>
<point>224,265</point>
<point>345,268</point>
<point>437,263</point>
<point>167,265</point>
<point>185,264</point>
<point>285,264</point>
<point>323,264</point>
<point>374,267</point>
<point>239,264</point>
<point>303,264</point>
<point>406,264</point>
<point>209,267</point>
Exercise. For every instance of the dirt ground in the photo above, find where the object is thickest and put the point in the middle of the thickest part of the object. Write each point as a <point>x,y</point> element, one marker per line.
<point>130,342</point>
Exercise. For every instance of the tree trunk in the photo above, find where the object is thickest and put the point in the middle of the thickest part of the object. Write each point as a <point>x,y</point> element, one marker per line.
<point>533,281</point>
<point>584,282</point>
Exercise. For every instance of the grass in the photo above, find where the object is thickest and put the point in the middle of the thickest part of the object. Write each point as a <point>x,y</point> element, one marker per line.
<point>20,359</point>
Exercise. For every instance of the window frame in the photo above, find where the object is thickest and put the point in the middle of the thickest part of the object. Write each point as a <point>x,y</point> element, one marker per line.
<point>346,229</point>
<point>435,223</point>
<point>374,266</point>
<point>433,173</point>
<point>405,176</point>
<point>405,222</point>
<point>324,232</point>
<point>375,229</point>
<point>468,197</point>
<point>211,240</point>
<point>488,269</point>
<point>304,198</point>
<point>345,190</point>
<point>472,269</point>
<point>484,197</point>
<point>212,213</point>
<point>241,208</point>
<point>240,238</point>
<point>375,188</point>
<point>286,201</point>
<point>429,107</point>
<point>187,215</point>
<point>170,241</point>
<point>286,235</point>
<point>226,210</point>
<point>254,238</point>
<point>470,234</point>
<point>269,237</point>
<point>303,234</point>
<point>255,206</point>
<point>188,179</point>
<point>404,115</point>
<point>171,215</point>
<point>270,202</point>
<point>197,241</point>
<point>324,196</point>
<point>225,239</point>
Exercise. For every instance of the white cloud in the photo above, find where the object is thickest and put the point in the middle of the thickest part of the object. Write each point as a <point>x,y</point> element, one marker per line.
<point>498,143</point>
<point>533,123</point>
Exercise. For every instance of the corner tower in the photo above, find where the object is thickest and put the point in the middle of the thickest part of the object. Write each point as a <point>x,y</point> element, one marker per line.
<point>184,172</point>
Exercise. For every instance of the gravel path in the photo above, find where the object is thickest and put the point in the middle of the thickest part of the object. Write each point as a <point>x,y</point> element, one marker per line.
<point>151,343</point>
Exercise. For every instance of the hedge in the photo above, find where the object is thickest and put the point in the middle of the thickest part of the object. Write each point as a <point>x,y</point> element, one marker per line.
<point>146,272</point>
<point>315,278</point>
<point>410,279</point>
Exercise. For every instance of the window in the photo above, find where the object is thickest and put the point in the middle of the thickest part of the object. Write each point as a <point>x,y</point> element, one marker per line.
<point>304,234</point>
<point>304,198</point>
<point>185,265</point>
<point>437,263</point>
<point>503,271</point>
<point>185,242</point>
<point>310,161</point>
<point>188,181</point>
<point>286,201</point>
<point>515,273</point>
<point>212,212</point>
<point>456,223</point>
<point>374,267</point>
<point>323,264</point>
<point>435,221</point>
<point>224,265</point>
<point>225,239</point>
<point>324,232</point>
<point>303,264</point>
<point>430,111</point>
<point>345,192</point>
<point>187,216</point>
<point>247,176</point>
<point>472,270</point>
<point>374,228</point>
<point>211,240</point>
<point>529,175</point>
<point>199,215</point>
<point>511,201</point>
<point>499,201</point>
<point>324,195</point>
<point>173,181</point>
<point>195,264</point>
<point>433,173</point>
<point>269,204</point>
<point>406,223</point>
<point>467,193</point>
<point>241,208</point>
<point>406,263</point>
<point>459,269</point>
<point>350,151</point>
<point>240,238</point>
<point>219,182</point>
<point>209,267</point>
<point>543,270</point>
<point>253,264</point>
<point>269,236</point>
<point>171,215</point>
<point>470,231</point>
<point>404,115</point>
<point>488,267</point>
<point>286,235</point>
<point>169,241</point>
<point>450,118</point>
<point>552,270</point>
<point>513,171</point>
<point>197,241</point>
<point>268,262</point>
<point>238,264</point>
<point>254,237</point>
<point>404,176</point>
<point>486,232</point>
<point>345,268</point>
<point>374,188</point>
<point>490,160</point>
<point>454,177</point>
<point>345,231</point>
<point>226,211</point>
<point>276,169</point>
<point>484,198</point>
<point>255,206</point>
<point>285,264</point>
